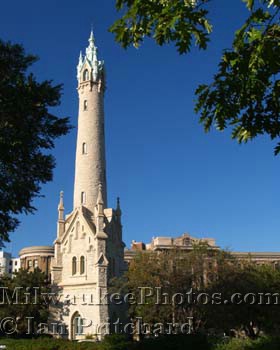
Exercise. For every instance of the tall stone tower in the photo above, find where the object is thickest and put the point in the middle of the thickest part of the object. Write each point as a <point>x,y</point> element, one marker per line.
<point>88,247</point>
<point>90,151</point>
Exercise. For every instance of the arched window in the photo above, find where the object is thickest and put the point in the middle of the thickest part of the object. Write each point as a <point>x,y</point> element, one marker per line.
<point>84,148</point>
<point>83,197</point>
<point>85,75</point>
<point>82,265</point>
<point>77,324</point>
<point>74,265</point>
<point>85,105</point>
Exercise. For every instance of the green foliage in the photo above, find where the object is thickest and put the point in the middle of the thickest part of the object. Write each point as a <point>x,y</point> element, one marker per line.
<point>27,133</point>
<point>50,344</point>
<point>177,21</point>
<point>263,343</point>
<point>259,313</point>
<point>32,283</point>
<point>116,342</point>
<point>169,273</point>
<point>178,342</point>
<point>113,342</point>
<point>209,272</point>
<point>164,343</point>
<point>245,93</point>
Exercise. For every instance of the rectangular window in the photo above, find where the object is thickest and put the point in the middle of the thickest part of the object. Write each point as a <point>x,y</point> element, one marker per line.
<point>83,197</point>
<point>35,263</point>
<point>84,148</point>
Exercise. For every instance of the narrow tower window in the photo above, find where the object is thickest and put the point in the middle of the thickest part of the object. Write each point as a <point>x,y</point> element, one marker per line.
<point>83,197</point>
<point>74,265</point>
<point>86,75</point>
<point>85,105</point>
<point>82,265</point>
<point>84,148</point>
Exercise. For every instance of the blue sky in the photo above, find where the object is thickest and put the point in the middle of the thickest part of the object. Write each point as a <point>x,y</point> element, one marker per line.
<point>170,175</point>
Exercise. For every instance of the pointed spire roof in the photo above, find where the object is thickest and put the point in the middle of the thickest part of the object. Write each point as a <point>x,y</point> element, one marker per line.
<point>61,203</point>
<point>80,58</point>
<point>90,59</point>
<point>118,209</point>
<point>91,39</point>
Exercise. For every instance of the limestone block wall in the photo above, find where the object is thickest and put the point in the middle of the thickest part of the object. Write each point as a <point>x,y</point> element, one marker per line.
<point>90,151</point>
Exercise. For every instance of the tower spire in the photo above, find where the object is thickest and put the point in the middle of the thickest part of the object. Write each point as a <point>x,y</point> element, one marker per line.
<point>91,60</point>
<point>90,169</point>
<point>60,221</point>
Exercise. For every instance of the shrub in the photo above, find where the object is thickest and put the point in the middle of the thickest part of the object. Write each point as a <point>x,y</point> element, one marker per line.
<point>263,343</point>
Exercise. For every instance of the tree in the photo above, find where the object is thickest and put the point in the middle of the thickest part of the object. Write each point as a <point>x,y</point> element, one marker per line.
<point>23,301</point>
<point>178,21</point>
<point>245,92</point>
<point>255,308</point>
<point>27,133</point>
<point>165,284</point>
<point>226,294</point>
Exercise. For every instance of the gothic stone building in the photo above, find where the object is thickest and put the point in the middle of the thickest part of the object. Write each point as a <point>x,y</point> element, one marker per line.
<point>88,247</point>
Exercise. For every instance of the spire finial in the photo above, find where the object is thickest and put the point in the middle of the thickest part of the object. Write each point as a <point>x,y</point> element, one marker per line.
<point>80,58</point>
<point>91,38</point>
<point>118,209</point>
<point>61,205</point>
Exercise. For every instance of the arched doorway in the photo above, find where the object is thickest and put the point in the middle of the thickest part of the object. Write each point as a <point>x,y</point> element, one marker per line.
<point>77,326</point>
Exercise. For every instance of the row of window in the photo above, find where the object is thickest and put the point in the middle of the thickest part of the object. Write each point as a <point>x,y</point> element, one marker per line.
<point>75,265</point>
<point>32,263</point>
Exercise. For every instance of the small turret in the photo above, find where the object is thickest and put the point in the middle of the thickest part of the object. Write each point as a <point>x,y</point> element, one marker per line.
<point>100,202</point>
<point>100,215</point>
<point>118,209</point>
<point>61,207</point>
<point>61,220</point>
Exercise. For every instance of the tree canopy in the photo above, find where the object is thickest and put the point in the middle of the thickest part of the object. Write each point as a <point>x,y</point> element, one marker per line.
<point>179,21</point>
<point>27,134</point>
<point>22,298</point>
<point>244,95</point>
<point>226,294</point>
